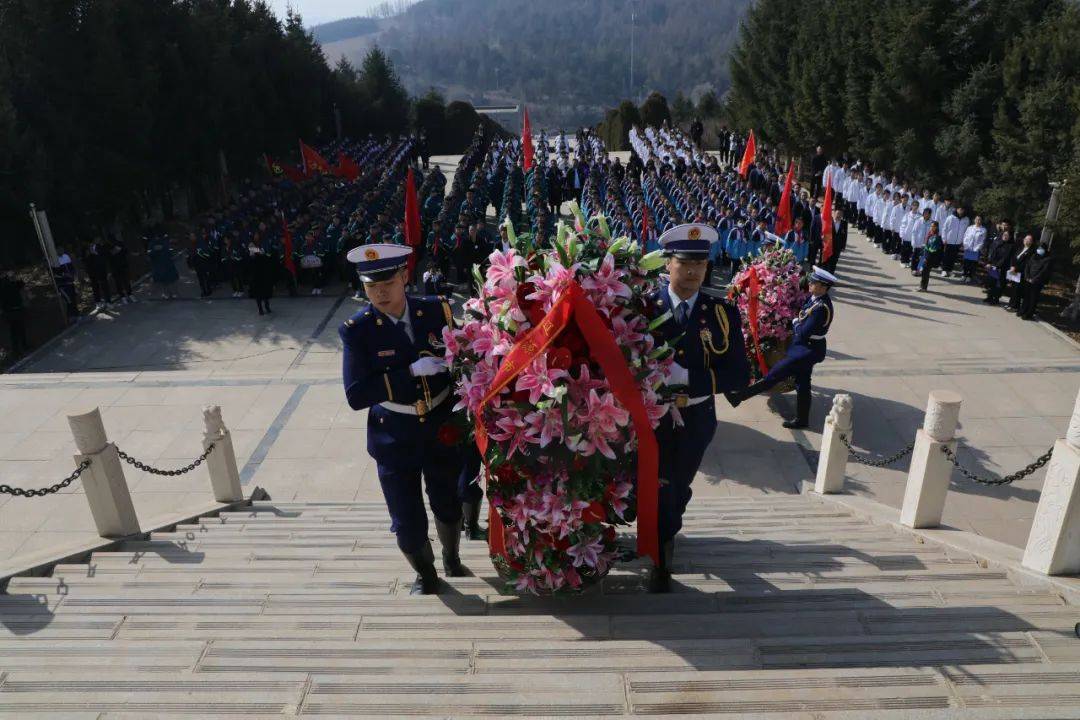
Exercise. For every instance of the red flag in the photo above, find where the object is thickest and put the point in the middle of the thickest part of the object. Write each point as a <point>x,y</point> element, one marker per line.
<point>312,161</point>
<point>645,222</point>
<point>280,169</point>
<point>290,264</point>
<point>526,143</point>
<point>826,222</point>
<point>783,213</point>
<point>748,156</point>
<point>346,167</point>
<point>412,219</point>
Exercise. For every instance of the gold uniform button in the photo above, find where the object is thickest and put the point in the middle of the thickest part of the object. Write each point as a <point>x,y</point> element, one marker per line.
<point>419,313</point>
<point>681,352</point>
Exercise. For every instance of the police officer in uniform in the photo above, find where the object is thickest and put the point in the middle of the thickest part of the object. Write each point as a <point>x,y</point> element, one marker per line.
<point>807,349</point>
<point>391,366</point>
<point>710,358</point>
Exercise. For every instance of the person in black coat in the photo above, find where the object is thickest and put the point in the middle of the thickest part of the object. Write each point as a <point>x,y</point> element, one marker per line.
<point>1036,275</point>
<point>96,263</point>
<point>998,257</point>
<point>118,268</point>
<point>1018,265</point>
<point>261,269</point>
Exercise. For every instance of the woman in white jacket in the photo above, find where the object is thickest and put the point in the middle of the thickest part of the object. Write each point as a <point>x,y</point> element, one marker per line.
<point>974,238</point>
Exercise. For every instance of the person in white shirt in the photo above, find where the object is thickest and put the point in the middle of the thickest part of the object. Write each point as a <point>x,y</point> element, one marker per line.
<point>918,238</point>
<point>974,239</point>
<point>952,234</point>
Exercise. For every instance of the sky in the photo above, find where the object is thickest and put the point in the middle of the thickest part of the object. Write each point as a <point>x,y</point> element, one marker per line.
<point>321,11</point>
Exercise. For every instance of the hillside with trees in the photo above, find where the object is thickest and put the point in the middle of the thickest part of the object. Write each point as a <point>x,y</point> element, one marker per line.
<point>569,60</point>
<point>116,111</point>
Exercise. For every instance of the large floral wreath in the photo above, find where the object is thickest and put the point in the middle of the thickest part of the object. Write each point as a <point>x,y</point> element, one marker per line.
<point>560,464</point>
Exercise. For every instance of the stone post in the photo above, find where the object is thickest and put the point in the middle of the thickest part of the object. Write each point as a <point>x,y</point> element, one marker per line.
<point>832,460</point>
<point>103,482</point>
<point>1053,547</point>
<point>224,475</point>
<point>929,472</point>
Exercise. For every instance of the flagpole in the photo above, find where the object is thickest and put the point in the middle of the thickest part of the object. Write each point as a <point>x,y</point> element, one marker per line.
<point>48,262</point>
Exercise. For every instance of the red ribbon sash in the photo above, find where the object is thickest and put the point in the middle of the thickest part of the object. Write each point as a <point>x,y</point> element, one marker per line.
<point>752,283</point>
<point>573,305</point>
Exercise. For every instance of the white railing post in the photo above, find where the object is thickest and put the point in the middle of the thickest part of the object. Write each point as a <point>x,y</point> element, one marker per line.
<point>1053,546</point>
<point>103,481</point>
<point>832,460</point>
<point>224,475</point>
<point>928,475</point>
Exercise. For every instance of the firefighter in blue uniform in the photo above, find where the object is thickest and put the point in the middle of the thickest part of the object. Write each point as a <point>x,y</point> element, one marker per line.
<point>710,358</point>
<point>807,349</point>
<point>392,366</point>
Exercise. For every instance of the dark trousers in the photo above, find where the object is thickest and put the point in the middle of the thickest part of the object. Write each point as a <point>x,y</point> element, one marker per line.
<point>948,261</point>
<point>99,284</point>
<point>969,268</point>
<point>1016,290</point>
<point>905,252</point>
<point>916,253</point>
<point>994,287</point>
<point>1029,300</point>
<point>264,305</point>
<point>406,451</point>
<point>16,320</point>
<point>206,283</point>
<point>122,279</point>
<point>468,487</point>
<point>681,452</point>
<point>932,260</point>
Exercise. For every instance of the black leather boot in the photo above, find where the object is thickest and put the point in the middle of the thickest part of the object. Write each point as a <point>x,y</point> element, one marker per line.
<point>659,580</point>
<point>802,411</point>
<point>735,397</point>
<point>471,513</point>
<point>423,562</point>
<point>450,538</point>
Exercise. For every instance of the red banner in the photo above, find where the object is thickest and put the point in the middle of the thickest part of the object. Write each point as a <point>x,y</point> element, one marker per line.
<point>346,167</point>
<point>752,284</point>
<point>412,220</point>
<point>826,222</point>
<point>573,305</point>
<point>783,211</point>
<point>526,143</point>
<point>312,160</point>
<point>749,155</point>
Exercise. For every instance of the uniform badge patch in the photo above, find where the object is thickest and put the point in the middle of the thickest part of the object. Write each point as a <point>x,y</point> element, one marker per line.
<point>387,353</point>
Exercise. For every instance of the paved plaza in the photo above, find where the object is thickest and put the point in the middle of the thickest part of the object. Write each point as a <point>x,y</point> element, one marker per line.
<point>151,367</point>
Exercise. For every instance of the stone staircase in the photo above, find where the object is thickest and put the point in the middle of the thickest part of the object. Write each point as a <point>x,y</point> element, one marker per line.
<point>786,607</point>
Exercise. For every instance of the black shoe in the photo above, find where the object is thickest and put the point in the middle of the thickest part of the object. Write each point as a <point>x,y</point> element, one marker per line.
<point>659,580</point>
<point>450,539</point>
<point>427,580</point>
<point>473,529</point>
<point>795,424</point>
<point>734,397</point>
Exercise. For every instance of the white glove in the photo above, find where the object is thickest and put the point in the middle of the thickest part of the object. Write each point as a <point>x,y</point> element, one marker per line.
<point>678,375</point>
<point>427,366</point>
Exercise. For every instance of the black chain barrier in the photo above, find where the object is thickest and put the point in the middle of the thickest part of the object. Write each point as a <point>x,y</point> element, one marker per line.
<point>158,471</point>
<point>51,490</point>
<point>1018,475</point>
<point>869,461</point>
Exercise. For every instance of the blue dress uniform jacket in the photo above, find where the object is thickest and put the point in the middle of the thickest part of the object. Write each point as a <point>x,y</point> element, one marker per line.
<point>711,348</point>
<point>405,414</point>
<point>808,342</point>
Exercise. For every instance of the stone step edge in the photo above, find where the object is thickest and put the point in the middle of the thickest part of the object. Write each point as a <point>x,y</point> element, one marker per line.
<point>987,552</point>
<point>41,564</point>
